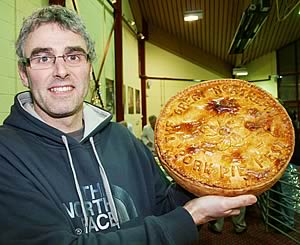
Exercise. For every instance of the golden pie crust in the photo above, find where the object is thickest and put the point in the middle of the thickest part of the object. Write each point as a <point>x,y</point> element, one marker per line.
<point>224,137</point>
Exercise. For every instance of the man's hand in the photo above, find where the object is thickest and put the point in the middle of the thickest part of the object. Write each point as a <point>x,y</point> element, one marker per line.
<point>207,208</point>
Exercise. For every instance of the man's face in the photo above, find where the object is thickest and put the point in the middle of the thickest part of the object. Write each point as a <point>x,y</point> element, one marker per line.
<point>57,91</point>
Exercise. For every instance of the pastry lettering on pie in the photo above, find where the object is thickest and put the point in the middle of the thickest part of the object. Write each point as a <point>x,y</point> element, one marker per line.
<point>224,137</point>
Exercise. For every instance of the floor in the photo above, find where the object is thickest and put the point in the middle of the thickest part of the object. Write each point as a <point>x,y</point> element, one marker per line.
<point>255,234</point>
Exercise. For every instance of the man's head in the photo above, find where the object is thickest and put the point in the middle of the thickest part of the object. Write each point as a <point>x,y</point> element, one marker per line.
<point>55,53</point>
<point>152,120</point>
<point>63,17</point>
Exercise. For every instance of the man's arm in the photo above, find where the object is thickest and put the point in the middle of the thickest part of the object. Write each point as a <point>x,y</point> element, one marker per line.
<point>30,213</point>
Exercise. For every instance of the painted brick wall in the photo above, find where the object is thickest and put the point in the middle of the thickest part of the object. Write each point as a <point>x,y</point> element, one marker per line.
<point>11,16</point>
<point>7,56</point>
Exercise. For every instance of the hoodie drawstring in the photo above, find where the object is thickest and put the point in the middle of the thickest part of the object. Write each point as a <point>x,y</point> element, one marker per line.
<point>86,224</point>
<point>106,186</point>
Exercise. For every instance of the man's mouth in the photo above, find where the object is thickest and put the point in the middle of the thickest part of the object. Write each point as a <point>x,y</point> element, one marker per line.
<point>61,89</point>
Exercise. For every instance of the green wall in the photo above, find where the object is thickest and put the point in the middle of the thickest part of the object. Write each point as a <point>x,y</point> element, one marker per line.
<point>11,16</point>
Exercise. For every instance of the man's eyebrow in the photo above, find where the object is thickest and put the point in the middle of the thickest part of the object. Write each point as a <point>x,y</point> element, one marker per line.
<point>75,48</point>
<point>36,51</point>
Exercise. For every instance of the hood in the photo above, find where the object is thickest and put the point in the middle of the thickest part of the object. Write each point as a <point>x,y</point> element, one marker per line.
<point>24,117</point>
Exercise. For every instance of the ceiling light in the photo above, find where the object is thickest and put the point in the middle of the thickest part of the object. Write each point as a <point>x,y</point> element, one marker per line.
<point>141,36</point>
<point>239,71</point>
<point>193,15</point>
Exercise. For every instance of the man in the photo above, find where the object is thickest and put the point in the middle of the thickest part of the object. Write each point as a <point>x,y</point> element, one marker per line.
<point>148,133</point>
<point>68,175</point>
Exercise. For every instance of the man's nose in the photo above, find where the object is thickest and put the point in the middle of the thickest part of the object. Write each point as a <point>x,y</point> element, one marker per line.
<point>60,67</point>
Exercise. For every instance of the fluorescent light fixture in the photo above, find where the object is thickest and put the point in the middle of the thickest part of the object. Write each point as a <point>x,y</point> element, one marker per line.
<point>240,71</point>
<point>193,15</point>
<point>252,20</point>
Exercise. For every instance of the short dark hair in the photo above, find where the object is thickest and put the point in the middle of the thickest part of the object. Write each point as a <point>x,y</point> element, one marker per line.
<point>152,118</point>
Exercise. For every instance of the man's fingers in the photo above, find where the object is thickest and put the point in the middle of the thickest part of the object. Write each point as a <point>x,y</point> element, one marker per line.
<point>241,201</point>
<point>231,212</point>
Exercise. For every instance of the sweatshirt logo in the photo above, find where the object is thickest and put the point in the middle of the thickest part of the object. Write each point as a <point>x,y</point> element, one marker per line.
<point>97,207</point>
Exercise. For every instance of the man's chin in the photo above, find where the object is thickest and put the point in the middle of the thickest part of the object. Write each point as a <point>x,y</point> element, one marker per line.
<point>62,114</point>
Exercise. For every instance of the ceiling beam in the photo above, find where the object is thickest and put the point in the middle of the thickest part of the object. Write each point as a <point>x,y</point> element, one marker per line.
<point>193,54</point>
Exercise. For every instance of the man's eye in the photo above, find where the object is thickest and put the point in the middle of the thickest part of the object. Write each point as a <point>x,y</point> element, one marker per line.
<point>44,59</point>
<point>41,59</point>
<point>73,57</point>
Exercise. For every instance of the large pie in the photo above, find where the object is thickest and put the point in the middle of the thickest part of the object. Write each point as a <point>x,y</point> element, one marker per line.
<point>224,137</point>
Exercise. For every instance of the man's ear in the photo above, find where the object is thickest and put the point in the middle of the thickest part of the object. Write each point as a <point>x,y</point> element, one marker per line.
<point>91,73</point>
<point>23,75</point>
